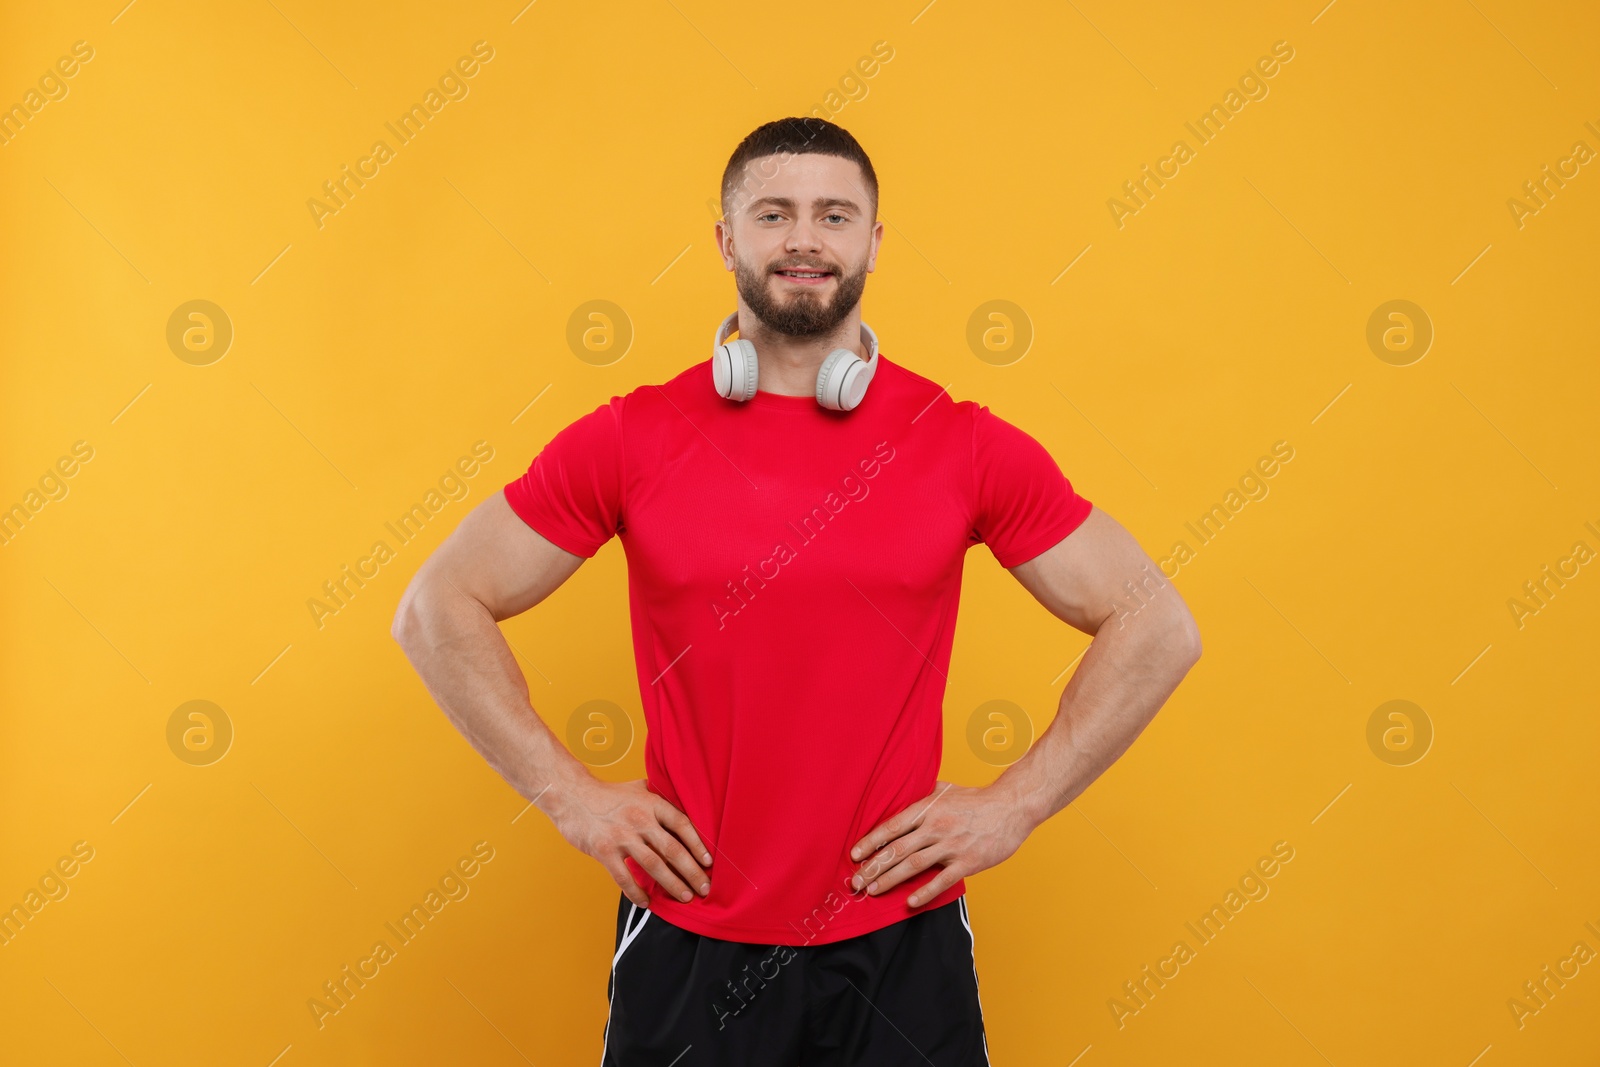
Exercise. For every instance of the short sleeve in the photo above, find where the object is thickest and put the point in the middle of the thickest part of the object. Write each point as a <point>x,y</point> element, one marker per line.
<point>572,491</point>
<point>1024,504</point>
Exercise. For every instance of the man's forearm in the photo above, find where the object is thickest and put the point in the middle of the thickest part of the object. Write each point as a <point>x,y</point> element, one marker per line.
<point>1124,679</point>
<point>458,650</point>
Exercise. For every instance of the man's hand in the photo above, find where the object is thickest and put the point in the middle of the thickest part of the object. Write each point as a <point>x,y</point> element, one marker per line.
<point>610,820</point>
<point>960,828</point>
<point>1094,575</point>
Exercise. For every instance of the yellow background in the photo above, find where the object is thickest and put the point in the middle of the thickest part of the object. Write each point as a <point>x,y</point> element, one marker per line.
<point>428,313</point>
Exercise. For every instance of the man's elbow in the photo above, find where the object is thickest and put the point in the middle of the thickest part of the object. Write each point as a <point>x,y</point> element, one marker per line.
<point>1170,636</point>
<point>1194,643</point>
<point>1186,640</point>
<point>397,627</point>
<point>407,613</point>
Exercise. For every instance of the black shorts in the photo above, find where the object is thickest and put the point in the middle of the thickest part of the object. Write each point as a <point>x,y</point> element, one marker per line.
<point>904,994</point>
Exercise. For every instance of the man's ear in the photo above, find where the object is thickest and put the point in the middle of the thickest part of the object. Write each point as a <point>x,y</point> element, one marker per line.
<point>877,239</point>
<point>724,237</point>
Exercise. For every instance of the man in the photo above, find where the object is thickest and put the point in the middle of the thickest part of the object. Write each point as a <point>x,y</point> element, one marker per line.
<point>794,566</point>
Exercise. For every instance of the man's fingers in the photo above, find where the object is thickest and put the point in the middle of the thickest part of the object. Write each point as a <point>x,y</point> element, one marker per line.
<point>679,824</point>
<point>645,856</point>
<point>915,863</point>
<point>893,827</point>
<point>881,835</point>
<point>629,884</point>
<point>678,856</point>
<point>938,884</point>
<point>886,857</point>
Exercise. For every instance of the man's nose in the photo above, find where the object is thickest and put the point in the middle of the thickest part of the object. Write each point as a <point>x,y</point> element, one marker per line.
<point>803,237</point>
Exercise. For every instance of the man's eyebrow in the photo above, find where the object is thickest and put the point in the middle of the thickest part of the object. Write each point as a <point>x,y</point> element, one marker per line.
<point>788,204</point>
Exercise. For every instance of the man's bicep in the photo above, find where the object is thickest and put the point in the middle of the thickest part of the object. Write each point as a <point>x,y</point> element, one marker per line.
<point>1080,578</point>
<point>497,559</point>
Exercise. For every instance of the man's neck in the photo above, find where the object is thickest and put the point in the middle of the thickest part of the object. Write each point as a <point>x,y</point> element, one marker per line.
<point>789,365</point>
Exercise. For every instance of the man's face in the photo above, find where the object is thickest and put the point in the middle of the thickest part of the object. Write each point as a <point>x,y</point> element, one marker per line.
<point>800,238</point>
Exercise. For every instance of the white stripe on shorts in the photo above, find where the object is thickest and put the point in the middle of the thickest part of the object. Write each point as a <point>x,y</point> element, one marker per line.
<point>630,931</point>
<point>962,900</point>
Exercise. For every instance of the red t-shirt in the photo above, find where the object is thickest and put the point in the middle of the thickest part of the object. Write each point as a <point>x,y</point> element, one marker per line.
<point>793,576</point>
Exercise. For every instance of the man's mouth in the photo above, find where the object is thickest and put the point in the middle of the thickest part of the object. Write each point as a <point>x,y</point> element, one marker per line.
<point>803,276</point>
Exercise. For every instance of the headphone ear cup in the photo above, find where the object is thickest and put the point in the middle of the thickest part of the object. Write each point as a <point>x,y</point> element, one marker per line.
<point>733,370</point>
<point>842,381</point>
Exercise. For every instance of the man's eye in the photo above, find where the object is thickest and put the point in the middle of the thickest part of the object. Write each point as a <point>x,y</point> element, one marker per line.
<point>838,216</point>
<point>767,215</point>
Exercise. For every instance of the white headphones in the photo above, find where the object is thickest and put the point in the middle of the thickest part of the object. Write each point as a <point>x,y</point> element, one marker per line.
<point>841,382</point>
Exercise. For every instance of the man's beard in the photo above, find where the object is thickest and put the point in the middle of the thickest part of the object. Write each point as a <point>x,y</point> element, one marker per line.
<point>803,314</point>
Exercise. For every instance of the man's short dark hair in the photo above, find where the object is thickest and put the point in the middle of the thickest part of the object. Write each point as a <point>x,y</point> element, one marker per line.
<point>792,136</point>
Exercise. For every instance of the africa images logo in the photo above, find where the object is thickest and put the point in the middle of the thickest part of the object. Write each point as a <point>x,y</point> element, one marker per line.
<point>452,85</point>
<point>810,528</point>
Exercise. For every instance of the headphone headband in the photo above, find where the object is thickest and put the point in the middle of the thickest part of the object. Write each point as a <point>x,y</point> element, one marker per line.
<point>842,379</point>
<point>869,339</point>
